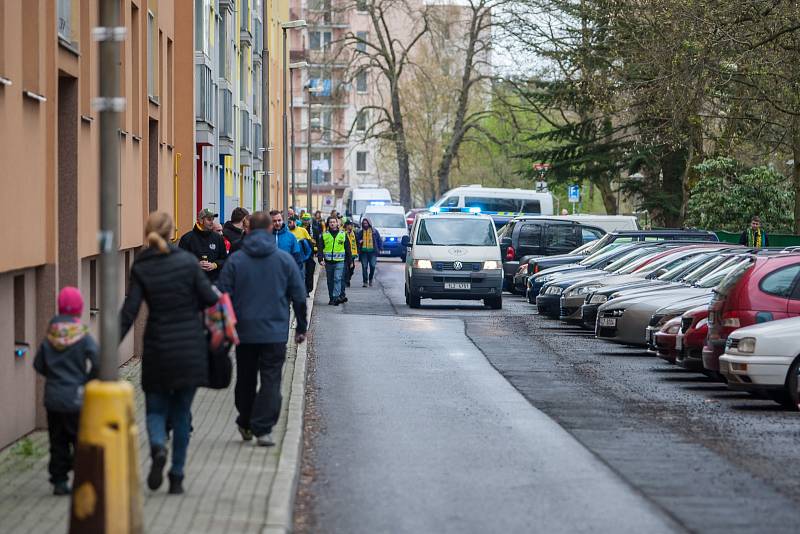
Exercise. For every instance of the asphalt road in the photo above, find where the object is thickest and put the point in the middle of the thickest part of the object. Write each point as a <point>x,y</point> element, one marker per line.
<point>456,418</point>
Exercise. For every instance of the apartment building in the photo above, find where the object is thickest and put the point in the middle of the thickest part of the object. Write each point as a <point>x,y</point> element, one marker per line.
<point>235,166</point>
<point>49,143</point>
<point>342,155</point>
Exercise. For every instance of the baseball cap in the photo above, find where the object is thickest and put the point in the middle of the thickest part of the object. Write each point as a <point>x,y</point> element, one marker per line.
<point>306,216</point>
<point>205,212</point>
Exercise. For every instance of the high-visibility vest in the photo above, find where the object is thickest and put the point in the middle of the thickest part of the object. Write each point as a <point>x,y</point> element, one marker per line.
<point>333,249</point>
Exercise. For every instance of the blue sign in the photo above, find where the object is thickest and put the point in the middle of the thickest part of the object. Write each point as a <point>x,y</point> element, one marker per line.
<point>574,193</point>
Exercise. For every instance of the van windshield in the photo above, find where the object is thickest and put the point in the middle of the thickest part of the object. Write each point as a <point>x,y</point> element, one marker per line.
<point>387,220</point>
<point>452,231</point>
<point>504,205</point>
<point>359,206</point>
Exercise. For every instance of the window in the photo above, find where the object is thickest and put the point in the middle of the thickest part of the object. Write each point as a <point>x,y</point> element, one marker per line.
<point>226,113</point>
<point>361,44</point>
<point>530,235</point>
<point>321,120</point>
<point>504,205</point>
<point>245,16</point>
<point>19,309</point>
<point>562,236</point>
<point>361,121</point>
<point>590,234</point>
<point>361,82</point>
<point>31,49</point>
<point>321,167</point>
<point>136,53</point>
<point>199,24</point>
<point>361,5</point>
<point>361,162</point>
<point>451,202</point>
<point>780,282</point>
<point>242,75</point>
<point>318,40</point>
<point>93,289</point>
<point>246,129</point>
<point>152,56</point>
<point>204,90</point>
<point>67,21</point>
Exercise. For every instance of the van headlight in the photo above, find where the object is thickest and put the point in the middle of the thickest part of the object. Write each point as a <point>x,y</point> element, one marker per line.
<point>423,264</point>
<point>747,345</point>
<point>491,264</point>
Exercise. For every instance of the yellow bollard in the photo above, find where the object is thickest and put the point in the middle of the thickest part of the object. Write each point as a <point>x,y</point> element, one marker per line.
<point>105,495</point>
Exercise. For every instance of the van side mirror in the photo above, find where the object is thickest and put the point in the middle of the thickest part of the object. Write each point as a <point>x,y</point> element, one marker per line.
<point>405,241</point>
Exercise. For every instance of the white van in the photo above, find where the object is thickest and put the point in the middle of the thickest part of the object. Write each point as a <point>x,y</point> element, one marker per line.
<point>609,223</point>
<point>356,199</point>
<point>501,204</point>
<point>454,256</point>
<point>390,221</point>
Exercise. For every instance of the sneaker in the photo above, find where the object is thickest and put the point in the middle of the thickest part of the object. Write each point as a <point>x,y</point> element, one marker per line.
<point>175,484</point>
<point>246,433</point>
<point>370,283</point>
<point>156,476</point>
<point>331,302</point>
<point>335,302</point>
<point>364,284</point>
<point>265,440</point>
<point>61,488</point>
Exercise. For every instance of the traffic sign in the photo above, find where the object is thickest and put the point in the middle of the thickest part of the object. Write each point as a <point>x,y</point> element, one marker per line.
<point>574,194</point>
<point>541,167</point>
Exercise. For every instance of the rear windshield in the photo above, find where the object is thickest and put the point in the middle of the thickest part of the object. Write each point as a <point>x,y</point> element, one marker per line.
<point>732,276</point>
<point>387,220</point>
<point>451,231</point>
<point>681,269</point>
<point>605,253</point>
<point>504,205</point>
<point>720,262</point>
<point>627,259</point>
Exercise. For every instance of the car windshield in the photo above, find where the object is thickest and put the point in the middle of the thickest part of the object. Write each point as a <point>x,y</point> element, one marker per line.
<point>675,271</point>
<point>642,264</point>
<point>387,220</point>
<point>706,268</point>
<point>733,275</point>
<point>359,206</point>
<point>626,259</point>
<point>604,253</point>
<point>452,231</point>
<point>730,273</point>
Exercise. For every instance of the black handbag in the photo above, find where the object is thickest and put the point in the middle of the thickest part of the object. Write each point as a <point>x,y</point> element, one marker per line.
<point>220,367</point>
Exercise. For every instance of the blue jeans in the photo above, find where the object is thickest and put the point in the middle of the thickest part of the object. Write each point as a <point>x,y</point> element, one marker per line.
<point>334,271</point>
<point>368,259</point>
<point>175,406</point>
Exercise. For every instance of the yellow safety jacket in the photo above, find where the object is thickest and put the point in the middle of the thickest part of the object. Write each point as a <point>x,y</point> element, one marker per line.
<point>333,248</point>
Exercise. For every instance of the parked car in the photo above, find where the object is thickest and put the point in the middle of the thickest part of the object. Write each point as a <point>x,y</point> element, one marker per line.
<point>411,216</point>
<point>665,340</point>
<point>762,289</point>
<point>526,236</point>
<point>391,223</point>
<point>765,358</point>
<point>690,340</point>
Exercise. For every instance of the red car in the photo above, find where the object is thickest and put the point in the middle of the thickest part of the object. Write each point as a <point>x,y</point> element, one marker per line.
<point>665,339</point>
<point>689,343</point>
<point>760,289</point>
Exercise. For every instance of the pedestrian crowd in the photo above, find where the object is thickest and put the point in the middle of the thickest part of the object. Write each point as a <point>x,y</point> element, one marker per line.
<point>258,263</point>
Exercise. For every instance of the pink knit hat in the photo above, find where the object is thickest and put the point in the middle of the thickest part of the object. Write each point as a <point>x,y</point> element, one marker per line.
<point>70,301</point>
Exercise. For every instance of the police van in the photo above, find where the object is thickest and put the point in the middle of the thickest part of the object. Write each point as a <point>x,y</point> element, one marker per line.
<point>390,221</point>
<point>453,254</point>
<point>499,203</point>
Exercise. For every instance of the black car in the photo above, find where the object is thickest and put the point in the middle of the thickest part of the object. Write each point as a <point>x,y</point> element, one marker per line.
<point>529,236</point>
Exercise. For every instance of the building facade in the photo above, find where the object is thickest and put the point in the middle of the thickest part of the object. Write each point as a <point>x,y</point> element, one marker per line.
<point>235,165</point>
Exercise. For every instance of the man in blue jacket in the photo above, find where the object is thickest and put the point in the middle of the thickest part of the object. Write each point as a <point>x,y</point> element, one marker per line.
<point>261,280</point>
<point>285,239</point>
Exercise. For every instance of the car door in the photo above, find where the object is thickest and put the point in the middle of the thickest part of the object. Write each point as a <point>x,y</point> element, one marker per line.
<point>561,238</point>
<point>529,240</point>
<point>793,306</point>
<point>590,233</point>
<point>777,289</point>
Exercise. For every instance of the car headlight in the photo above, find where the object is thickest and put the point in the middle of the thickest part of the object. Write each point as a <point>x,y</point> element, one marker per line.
<point>747,345</point>
<point>598,299</point>
<point>423,264</point>
<point>553,290</point>
<point>491,264</point>
<point>674,329</point>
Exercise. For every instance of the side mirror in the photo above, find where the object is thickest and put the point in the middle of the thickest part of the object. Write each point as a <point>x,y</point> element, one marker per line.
<point>405,241</point>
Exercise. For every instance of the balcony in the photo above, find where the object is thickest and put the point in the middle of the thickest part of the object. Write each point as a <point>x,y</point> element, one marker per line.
<point>328,18</point>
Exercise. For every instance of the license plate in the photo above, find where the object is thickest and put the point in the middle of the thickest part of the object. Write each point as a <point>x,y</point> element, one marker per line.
<point>458,285</point>
<point>385,252</point>
<point>679,342</point>
<point>607,321</point>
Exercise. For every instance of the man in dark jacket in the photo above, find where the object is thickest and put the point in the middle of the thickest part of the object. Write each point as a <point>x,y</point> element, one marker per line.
<point>67,358</point>
<point>261,280</point>
<point>206,245</point>
<point>755,236</point>
<point>233,230</point>
<point>285,239</point>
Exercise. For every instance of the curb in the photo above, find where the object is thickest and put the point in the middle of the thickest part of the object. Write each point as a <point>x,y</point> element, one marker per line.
<point>280,505</point>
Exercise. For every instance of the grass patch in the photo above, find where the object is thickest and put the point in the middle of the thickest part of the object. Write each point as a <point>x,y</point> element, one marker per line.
<point>27,448</point>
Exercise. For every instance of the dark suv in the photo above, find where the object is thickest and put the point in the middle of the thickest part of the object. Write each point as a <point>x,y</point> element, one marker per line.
<point>540,236</point>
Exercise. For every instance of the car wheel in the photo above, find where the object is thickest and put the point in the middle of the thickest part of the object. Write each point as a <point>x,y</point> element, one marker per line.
<point>406,291</point>
<point>495,303</point>
<point>530,297</point>
<point>414,301</point>
<point>793,386</point>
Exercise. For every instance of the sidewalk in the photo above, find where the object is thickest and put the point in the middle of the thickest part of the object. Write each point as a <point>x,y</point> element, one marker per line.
<point>230,485</point>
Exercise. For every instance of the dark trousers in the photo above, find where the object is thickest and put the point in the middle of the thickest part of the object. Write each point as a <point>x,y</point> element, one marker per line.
<point>259,406</point>
<point>63,430</point>
<point>311,266</point>
<point>368,262</point>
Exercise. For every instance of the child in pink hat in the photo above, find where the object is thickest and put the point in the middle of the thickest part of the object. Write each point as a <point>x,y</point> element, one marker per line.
<point>68,357</point>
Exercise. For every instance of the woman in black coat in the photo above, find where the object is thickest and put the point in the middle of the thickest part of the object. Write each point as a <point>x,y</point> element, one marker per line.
<point>175,356</point>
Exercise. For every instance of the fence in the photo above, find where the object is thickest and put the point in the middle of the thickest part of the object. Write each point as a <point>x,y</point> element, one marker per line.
<point>775,240</point>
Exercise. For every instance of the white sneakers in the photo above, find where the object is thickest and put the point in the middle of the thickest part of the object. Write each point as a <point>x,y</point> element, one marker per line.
<point>265,440</point>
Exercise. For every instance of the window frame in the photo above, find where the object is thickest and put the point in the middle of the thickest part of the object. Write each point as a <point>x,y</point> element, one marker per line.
<point>791,289</point>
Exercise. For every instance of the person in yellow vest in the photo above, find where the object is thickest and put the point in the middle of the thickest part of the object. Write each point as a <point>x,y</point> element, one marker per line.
<point>306,243</point>
<point>353,244</point>
<point>334,255</point>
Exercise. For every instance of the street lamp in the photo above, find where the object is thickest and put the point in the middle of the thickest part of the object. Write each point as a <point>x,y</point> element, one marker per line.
<point>290,25</point>
<point>293,66</point>
<point>311,90</point>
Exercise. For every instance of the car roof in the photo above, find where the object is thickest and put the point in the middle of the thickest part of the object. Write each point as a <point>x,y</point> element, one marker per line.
<point>664,231</point>
<point>455,215</point>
